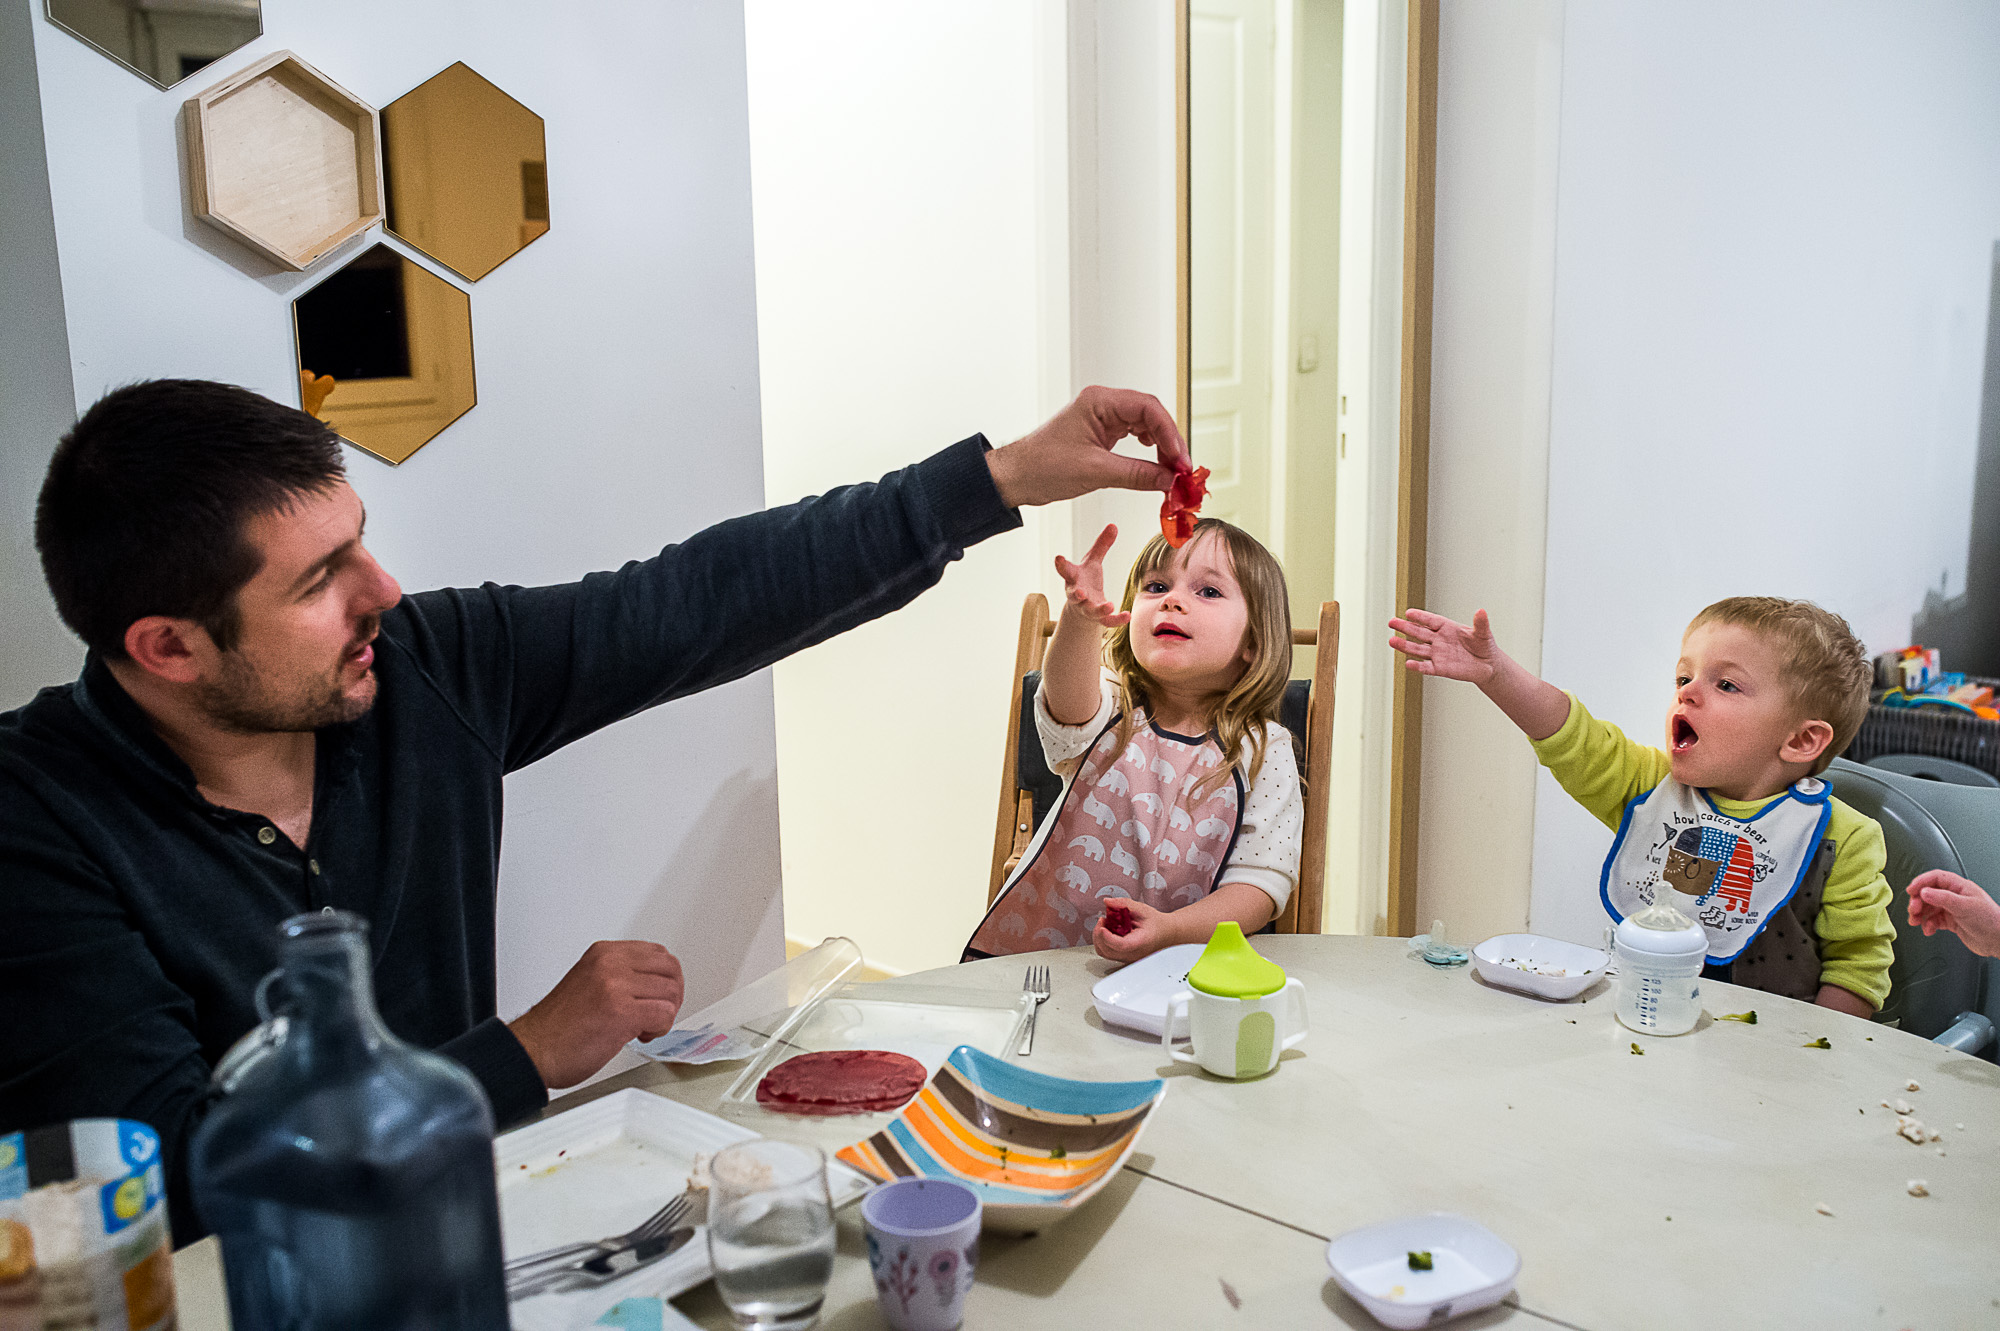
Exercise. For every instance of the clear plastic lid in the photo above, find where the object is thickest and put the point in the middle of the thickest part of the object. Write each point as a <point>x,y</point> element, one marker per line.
<point>1660,927</point>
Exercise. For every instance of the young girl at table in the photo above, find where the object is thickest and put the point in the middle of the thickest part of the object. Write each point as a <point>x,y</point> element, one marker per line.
<point>1181,804</point>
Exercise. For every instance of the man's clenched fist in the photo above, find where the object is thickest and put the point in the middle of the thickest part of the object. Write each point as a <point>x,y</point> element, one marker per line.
<point>619,991</point>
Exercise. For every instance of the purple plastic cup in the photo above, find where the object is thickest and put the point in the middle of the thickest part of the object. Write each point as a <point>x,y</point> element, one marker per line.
<point>923,1248</point>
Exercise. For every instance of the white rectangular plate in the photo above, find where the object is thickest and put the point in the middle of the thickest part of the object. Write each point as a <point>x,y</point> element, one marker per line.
<point>1135,996</point>
<point>1534,964</point>
<point>600,1169</point>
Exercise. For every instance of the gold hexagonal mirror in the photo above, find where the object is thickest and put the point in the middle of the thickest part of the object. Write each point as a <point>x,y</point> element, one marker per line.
<point>385,353</point>
<point>466,171</point>
<point>162,41</point>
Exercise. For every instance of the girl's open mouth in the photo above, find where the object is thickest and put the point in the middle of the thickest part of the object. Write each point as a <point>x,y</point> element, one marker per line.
<point>1684,736</point>
<point>1169,631</point>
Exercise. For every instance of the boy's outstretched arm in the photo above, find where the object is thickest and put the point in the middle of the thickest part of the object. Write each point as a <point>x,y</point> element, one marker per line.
<point>1075,659</point>
<point>1448,649</point>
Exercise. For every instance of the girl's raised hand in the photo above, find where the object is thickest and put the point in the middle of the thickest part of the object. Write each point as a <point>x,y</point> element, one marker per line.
<point>1084,583</point>
<point>1446,648</point>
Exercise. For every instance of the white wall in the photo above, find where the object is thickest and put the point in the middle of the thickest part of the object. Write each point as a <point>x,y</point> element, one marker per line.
<point>907,162</point>
<point>617,370</point>
<point>36,394</point>
<point>1772,244</point>
<point>1499,94</point>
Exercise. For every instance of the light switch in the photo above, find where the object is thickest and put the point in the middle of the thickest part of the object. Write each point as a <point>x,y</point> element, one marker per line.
<point>1308,353</point>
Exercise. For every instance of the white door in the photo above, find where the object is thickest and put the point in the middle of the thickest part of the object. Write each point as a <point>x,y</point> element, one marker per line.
<point>1230,188</point>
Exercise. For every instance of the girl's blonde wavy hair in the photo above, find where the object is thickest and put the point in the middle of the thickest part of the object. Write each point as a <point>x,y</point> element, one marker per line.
<point>1241,711</point>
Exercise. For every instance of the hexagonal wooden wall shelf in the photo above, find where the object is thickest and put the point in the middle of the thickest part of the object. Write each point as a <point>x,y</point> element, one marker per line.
<point>284,159</point>
<point>385,353</point>
<point>467,172</point>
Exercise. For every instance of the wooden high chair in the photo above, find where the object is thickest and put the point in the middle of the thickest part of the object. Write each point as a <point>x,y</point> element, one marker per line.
<point>1028,789</point>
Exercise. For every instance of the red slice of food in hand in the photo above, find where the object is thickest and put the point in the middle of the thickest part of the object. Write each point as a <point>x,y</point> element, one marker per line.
<point>1182,505</point>
<point>841,1081</point>
<point>1119,920</point>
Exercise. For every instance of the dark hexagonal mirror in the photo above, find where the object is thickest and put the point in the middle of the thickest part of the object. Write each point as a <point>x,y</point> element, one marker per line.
<point>385,353</point>
<point>466,172</point>
<point>162,41</point>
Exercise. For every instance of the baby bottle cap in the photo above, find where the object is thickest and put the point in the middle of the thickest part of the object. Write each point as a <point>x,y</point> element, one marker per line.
<point>1230,968</point>
<point>1661,915</point>
<point>1661,929</point>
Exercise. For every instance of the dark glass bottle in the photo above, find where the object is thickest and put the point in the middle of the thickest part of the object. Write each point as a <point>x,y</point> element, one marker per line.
<point>348,1175</point>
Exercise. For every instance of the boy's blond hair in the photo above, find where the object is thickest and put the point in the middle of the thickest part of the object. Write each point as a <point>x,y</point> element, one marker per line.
<point>1242,710</point>
<point>1825,665</point>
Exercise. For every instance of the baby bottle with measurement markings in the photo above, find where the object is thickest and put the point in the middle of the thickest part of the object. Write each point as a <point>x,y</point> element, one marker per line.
<point>348,1175</point>
<point>1660,956</point>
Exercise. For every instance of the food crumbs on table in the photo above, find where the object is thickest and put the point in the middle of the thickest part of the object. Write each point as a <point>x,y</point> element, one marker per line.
<point>1821,1043</point>
<point>1420,1261</point>
<point>1747,1018</point>
<point>1823,1209</point>
<point>1913,1085</point>
<point>1960,1126</point>
<point>1228,1292</point>
<point>1919,1188</point>
<point>1940,1150</point>
<point>1911,1131</point>
<point>1903,1106</point>
<point>1396,1291</point>
<point>1636,1049</point>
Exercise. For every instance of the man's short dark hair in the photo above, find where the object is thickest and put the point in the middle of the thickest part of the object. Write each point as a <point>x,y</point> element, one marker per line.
<point>147,497</point>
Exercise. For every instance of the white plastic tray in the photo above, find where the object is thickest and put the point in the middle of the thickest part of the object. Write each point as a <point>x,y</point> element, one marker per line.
<point>1135,996</point>
<point>1534,964</point>
<point>1471,1268</point>
<point>600,1169</point>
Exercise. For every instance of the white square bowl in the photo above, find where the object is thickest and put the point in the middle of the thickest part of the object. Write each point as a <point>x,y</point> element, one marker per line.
<point>1471,1268</point>
<point>1533,964</point>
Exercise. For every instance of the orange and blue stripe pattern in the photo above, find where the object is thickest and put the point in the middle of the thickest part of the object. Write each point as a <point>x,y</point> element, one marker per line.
<point>1018,1138</point>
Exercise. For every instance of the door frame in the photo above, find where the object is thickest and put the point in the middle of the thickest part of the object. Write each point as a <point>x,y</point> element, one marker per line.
<point>1389,92</point>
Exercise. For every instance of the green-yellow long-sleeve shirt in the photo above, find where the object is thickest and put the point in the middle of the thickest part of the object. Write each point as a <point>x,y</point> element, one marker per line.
<point>1603,770</point>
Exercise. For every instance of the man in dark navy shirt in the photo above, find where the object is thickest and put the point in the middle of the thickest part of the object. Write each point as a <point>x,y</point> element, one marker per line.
<point>266,724</point>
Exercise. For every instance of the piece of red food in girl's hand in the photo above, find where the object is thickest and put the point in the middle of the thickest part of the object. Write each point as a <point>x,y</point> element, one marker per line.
<point>1119,920</point>
<point>1182,506</point>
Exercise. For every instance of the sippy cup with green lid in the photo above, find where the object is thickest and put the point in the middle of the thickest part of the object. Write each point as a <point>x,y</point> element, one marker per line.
<point>1243,1011</point>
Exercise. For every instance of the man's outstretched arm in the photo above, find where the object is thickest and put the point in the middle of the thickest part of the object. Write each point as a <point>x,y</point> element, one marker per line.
<point>535,668</point>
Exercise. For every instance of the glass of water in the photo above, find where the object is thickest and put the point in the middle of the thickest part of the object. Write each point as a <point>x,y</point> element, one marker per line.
<point>770,1233</point>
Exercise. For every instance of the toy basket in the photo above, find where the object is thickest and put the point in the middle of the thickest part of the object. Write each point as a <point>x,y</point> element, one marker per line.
<point>1935,732</point>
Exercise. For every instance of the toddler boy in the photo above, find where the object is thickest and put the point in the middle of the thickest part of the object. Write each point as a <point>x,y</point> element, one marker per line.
<point>1730,822</point>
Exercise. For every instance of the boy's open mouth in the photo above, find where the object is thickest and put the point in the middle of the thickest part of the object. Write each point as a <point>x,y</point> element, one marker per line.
<point>1170,631</point>
<point>1684,736</point>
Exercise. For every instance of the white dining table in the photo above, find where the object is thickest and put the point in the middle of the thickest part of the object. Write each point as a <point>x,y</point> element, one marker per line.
<point>1735,1176</point>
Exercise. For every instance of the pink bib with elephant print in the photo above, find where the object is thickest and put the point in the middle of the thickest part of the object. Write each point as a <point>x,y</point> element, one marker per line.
<point>1130,825</point>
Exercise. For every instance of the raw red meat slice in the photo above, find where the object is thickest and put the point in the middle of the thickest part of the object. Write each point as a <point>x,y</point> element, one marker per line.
<point>1182,506</point>
<point>841,1081</point>
<point>1119,920</point>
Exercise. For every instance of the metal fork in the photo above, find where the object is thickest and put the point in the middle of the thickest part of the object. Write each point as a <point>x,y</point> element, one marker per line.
<point>535,1265</point>
<point>601,1270</point>
<point>1036,985</point>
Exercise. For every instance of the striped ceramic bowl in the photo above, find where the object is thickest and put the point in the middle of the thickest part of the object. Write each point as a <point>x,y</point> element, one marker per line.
<point>1034,1147</point>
